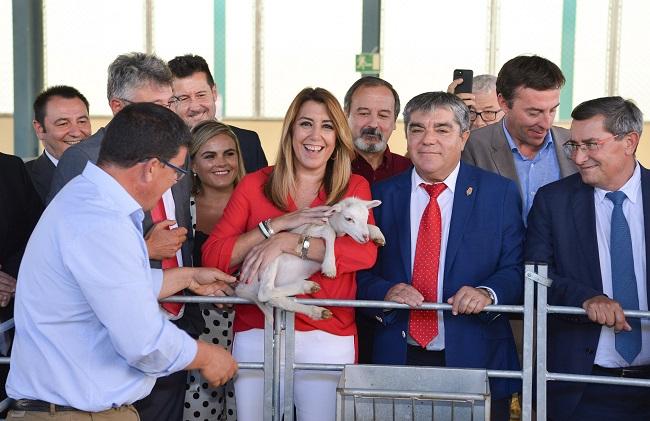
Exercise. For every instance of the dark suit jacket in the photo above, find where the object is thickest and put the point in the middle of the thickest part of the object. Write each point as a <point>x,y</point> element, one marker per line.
<point>41,171</point>
<point>73,162</point>
<point>562,232</point>
<point>488,148</point>
<point>251,149</point>
<point>485,248</point>
<point>20,208</point>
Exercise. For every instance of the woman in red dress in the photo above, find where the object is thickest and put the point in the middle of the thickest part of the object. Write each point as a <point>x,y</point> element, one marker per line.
<point>312,172</point>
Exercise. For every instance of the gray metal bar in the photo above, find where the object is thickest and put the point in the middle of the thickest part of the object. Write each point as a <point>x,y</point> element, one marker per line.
<point>341,303</point>
<point>541,344</point>
<point>289,359</point>
<point>251,366</point>
<point>278,315</point>
<point>527,363</point>
<point>268,367</point>
<point>388,393</point>
<point>580,311</point>
<point>621,381</point>
<point>4,360</point>
<point>28,72</point>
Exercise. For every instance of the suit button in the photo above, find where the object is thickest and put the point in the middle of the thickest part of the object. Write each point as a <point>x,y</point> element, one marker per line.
<point>403,334</point>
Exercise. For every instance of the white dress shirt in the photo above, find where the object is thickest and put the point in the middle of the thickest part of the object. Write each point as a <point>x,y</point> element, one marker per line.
<point>419,202</point>
<point>606,354</point>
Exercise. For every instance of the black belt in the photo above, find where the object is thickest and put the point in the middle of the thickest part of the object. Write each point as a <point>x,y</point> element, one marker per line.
<point>639,371</point>
<point>39,406</point>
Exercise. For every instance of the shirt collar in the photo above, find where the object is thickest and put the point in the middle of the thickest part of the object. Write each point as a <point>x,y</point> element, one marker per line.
<point>52,158</point>
<point>632,188</point>
<point>450,181</point>
<point>111,189</point>
<point>548,139</point>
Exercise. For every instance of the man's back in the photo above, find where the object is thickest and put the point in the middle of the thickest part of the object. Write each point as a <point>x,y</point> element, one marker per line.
<point>77,292</point>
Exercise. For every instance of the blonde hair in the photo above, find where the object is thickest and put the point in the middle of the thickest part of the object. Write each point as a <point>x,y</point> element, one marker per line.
<point>205,131</point>
<point>282,180</point>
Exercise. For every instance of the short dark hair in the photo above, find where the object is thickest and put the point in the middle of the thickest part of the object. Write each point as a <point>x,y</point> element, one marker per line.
<point>533,72</point>
<point>622,116</point>
<point>429,101</point>
<point>187,65</point>
<point>143,131</point>
<point>369,81</point>
<point>68,92</point>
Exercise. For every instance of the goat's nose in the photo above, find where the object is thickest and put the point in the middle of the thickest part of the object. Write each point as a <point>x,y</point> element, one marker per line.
<point>366,237</point>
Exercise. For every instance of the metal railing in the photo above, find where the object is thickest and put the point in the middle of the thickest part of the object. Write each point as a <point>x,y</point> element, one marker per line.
<point>283,326</point>
<point>539,273</point>
<point>536,283</point>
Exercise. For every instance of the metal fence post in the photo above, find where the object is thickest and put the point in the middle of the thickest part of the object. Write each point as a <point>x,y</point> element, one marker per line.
<point>269,348</point>
<point>542,309</point>
<point>527,363</point>
<point>289,359</point>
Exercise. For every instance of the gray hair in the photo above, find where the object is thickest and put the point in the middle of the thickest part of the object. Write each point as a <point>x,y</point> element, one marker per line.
<point>622,116</point>
<point>484,83</point>
<point>428,101</point>
<point>134,70</point>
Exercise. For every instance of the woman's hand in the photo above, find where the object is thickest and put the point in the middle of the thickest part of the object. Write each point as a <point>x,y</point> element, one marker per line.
<point>261,255</point>
<point>317,215</point>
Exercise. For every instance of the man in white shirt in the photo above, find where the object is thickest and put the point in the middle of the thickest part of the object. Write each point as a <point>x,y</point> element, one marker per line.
<point>590,229</point>
<point>89,333</point>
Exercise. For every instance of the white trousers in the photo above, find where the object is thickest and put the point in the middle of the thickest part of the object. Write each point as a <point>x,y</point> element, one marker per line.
<point>314,392</point>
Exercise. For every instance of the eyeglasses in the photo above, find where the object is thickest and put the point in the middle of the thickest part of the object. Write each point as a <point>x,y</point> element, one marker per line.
<point>180,172</point>
<point>571,147</point>
<point>172,101</point>
<point>486,116</point>
<point>184,101</point>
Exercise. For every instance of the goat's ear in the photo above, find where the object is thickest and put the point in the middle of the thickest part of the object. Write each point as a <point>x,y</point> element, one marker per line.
<point>373,203</point>
<point>337,207</point>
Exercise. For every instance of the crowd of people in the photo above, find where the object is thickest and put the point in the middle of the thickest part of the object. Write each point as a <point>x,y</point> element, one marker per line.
<point>167,200</point>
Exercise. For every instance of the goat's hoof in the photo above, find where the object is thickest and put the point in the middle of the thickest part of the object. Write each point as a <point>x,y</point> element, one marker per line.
<point>381,241</point>
<point>311,287</point>
<point>329,272</point>
<point>326,314</point>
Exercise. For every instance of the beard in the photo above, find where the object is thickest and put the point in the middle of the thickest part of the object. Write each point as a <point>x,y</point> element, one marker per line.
<point>363,146</point>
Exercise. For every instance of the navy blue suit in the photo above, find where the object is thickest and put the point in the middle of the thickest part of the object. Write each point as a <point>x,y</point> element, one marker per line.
<point>562,233</point>
<point>485,248</point>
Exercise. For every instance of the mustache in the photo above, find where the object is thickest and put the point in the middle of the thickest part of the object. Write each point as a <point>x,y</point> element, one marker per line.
<point>372,131</point>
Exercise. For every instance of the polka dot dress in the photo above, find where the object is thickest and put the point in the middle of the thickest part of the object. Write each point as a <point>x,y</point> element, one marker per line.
<point>201,401</point>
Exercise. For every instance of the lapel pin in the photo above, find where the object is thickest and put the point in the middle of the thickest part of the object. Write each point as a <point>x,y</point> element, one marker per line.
<point>469,191</point>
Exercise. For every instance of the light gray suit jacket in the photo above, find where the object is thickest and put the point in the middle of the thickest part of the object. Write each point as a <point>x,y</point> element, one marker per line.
<point>488,148</point>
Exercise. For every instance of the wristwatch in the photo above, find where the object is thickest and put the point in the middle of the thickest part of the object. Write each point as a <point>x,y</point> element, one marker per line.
<point>490,294</point>
<point>303,246</point>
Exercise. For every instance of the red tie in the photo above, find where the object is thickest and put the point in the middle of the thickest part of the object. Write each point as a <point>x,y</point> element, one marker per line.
<point>158,214</point>
<point>423,325</point>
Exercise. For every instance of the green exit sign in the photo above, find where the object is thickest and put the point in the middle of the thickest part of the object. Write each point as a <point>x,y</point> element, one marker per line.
<point>367,63</point>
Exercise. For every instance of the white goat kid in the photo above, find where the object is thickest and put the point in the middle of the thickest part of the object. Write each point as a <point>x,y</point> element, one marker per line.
<point>287,274</point>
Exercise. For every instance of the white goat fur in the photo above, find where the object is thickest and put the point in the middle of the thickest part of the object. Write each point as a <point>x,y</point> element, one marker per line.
<point>287,275</point>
